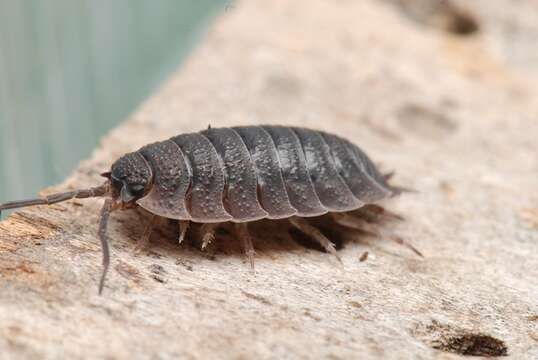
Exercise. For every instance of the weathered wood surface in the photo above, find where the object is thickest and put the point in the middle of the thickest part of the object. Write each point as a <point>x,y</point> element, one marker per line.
<point>455,115</point>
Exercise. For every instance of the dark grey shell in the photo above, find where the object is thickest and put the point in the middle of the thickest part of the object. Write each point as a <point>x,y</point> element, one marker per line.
<point>249,173</point>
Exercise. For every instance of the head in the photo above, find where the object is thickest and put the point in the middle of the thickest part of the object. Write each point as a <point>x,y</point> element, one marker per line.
<point>130,177</point>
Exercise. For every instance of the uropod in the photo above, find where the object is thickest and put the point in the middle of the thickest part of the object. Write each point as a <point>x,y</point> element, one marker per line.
<point>239,175</point>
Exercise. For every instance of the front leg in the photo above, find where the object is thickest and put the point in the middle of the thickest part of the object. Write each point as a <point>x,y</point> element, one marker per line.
<point>144,240</point>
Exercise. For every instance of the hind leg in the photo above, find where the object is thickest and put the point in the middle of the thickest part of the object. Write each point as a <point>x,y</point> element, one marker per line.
<point>362,225</point>
<point>246,240</point>
<point>355,223</point>
<point>375,213</point>
<point>310,230</point>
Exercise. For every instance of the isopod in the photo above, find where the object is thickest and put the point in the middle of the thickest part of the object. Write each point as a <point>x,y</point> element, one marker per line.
<point>239,175</point>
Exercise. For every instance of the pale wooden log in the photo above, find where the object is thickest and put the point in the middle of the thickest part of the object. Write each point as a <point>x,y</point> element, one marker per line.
<point>454,116</point>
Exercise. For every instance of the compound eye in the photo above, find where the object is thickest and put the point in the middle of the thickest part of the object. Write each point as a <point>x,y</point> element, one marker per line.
<point>137,189</point>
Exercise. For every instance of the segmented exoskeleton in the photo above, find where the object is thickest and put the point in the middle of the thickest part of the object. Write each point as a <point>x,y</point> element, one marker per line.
<point>239,175</point>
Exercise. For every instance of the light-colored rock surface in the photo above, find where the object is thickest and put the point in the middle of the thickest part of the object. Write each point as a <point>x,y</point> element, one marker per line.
<point>456,116</point>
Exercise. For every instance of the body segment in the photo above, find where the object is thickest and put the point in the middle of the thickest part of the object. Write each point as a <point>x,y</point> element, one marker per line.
<point>240,191</point>
<point>172,178</point>
<point>331,189</point>
<point>271,188</point>
<point>205,197</point>
<point>299,187</point>
<point>354,171</point>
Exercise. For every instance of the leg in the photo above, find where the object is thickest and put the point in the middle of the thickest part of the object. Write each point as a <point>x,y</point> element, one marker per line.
<point>388,175</point>
<point>314,233</point>
<point>398,240</point>
<point>352,222</point>
<point>246,240</point>
<point>144,240</point>
<point>183,227</point>
<point>208,233</point>
<point>374,213</point>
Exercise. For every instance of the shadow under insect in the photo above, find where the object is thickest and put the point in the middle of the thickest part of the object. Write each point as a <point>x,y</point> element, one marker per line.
<point>326,233</point>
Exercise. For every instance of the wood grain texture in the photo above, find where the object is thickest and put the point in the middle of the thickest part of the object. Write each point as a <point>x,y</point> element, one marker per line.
<point>454,115</point>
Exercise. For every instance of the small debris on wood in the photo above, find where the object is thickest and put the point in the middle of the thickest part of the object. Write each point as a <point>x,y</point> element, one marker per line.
<point>157,273</point>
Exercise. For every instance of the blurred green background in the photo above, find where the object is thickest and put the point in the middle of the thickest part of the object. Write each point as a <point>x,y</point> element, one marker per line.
<point>72,69</point>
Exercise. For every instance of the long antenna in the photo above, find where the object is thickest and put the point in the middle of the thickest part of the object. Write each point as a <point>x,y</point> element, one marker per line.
<point>108,207</point>
<point>58,197</point>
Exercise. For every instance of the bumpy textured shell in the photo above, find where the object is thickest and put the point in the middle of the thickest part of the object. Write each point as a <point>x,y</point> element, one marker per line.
<point>249,173</point>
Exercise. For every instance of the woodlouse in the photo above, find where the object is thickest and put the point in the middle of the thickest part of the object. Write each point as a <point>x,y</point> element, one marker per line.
<point>239,175</point>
